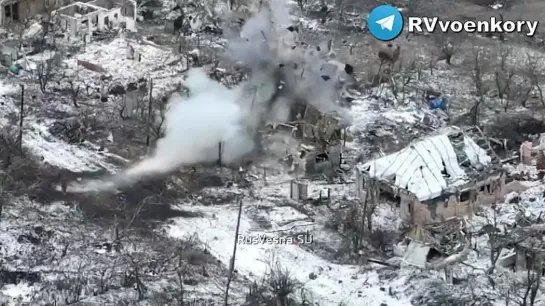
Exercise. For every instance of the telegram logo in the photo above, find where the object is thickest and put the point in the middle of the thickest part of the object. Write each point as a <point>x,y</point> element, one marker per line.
<point>385,22</point>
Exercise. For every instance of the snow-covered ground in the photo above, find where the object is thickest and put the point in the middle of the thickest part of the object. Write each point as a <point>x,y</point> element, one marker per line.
<point>79,242</point>
<point>335,283</point>
<point>214,226</point>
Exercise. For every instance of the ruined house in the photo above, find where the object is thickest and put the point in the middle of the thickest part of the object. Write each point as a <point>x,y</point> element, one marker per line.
<point>323,134</point>
<point>18,10</point>
<point>533,153</point>
<point>81,19</point>
<point>438,177</point>
<point>530,254</point>
<point>9,52</point>
<point>429,245</point>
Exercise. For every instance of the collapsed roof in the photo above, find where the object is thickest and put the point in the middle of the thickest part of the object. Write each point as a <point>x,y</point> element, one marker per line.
<point>431,166</point>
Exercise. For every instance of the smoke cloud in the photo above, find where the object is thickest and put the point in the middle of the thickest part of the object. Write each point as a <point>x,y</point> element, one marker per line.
<point>283,74</point>
<point>195,126</point>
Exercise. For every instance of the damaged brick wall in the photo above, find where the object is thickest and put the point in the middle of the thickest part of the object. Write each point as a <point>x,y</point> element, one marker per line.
<point>436,211</point>
<point>526,153</point>
<point>456,205</point>
<point>540,161</point>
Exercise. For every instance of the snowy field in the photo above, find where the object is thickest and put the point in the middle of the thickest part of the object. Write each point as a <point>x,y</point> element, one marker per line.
<point>335,283</point>
<point>214,226</point>
<point>74,249</point>
<point>331,283</point>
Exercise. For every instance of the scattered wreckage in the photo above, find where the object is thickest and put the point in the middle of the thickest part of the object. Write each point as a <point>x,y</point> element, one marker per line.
<point>438,181</point>
<point>437,245</point>
<point>317,148</point>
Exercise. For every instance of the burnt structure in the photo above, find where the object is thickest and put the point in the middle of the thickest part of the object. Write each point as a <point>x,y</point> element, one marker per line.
<point>438,177</point>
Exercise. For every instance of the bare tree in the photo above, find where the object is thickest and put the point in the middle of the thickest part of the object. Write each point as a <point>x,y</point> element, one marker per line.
<point>301,4</point>
<point>45,72</point>
<point>522,89</point>
<point>75,88</point>
<point>369,206</point>
<point>21,118</point>
<point>134,276</point>
<point>479,66</point>
<point>493,233</point>
<point>501,35</point>
<point>150,118</point>
<point>533,277</point>
<point>503,77</point>
<point>534,75</point>
<point>448,46</point>
<point>402,80</point>
<point>181,273</point>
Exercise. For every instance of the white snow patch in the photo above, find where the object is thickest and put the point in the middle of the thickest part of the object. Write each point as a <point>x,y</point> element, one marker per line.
<point>362,115</point>
<point>38,140</point>
<point>113,58</point>
<point>6,107</point>
<point>31,62</point>
<point>284,215</point>
<point>521,169</point>
<point>20,293</point>
<point>386,217</point>
<point>59,153</point>
<point>335,283</point>
<point>310,24</point>
<point>6,89</point>
<point>496,6</point>
<point>397,116</point>
<point>365,111</point>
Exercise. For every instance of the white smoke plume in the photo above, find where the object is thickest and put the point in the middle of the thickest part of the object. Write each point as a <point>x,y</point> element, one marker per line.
<point>195,126</point>
<point>282,74</point>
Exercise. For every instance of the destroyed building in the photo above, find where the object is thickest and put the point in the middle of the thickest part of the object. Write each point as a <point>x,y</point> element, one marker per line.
<point>529,249</point>
<point>430,244</point>
<point>320,141</point>
<point>9,52</point>
<point>438,177</point>
<point>530,253</point>
<point>18,10</point>
<point>81,19</point>
<point>533,153</point>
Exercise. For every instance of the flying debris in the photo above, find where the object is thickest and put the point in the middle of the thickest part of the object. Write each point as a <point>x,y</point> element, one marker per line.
<point>231,118</point>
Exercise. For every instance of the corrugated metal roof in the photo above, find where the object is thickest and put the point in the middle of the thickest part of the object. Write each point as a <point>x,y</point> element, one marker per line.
<point>428,167</point>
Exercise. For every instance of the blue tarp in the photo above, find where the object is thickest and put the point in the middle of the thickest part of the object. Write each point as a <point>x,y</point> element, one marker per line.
<point>438,103</point>
<point>14,69</point>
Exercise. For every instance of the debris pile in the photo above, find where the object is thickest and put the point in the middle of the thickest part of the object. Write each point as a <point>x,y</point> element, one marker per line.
<point>437,243</point>
<point>72,130</point>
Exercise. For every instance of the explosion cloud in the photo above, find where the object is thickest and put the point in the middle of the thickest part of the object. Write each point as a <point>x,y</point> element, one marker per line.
<point>282,74</point>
